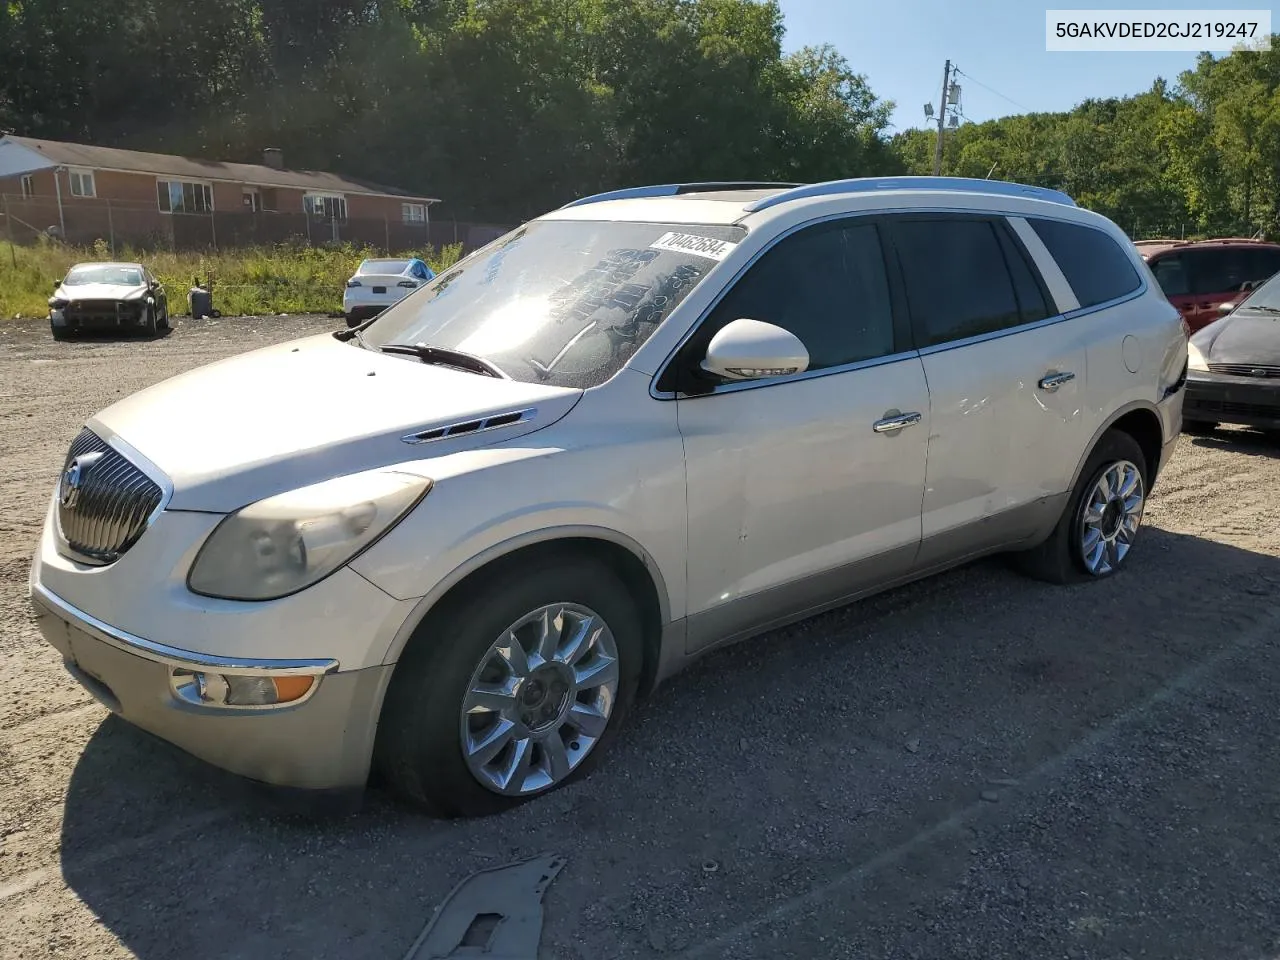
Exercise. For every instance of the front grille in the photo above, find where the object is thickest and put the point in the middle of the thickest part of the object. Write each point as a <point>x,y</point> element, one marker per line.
<point>98,311</point>
<point>1245,369</point>
<point>104,501</point>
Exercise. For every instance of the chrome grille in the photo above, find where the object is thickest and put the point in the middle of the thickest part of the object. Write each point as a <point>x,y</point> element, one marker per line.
<point>104,501</point>
<point>1245,369</point>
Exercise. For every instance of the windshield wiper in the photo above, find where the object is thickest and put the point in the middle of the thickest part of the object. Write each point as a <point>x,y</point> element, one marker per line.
<point>1262,306</point>
<point>446,357</point>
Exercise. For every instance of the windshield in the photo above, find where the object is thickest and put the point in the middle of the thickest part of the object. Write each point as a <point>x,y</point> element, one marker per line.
<point>1265,297</point>
<point>104,273</point>
<point>383,266</point>
<point>565,303</point>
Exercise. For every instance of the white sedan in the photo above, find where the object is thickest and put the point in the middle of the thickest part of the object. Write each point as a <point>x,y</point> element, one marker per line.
<point>377,284</point>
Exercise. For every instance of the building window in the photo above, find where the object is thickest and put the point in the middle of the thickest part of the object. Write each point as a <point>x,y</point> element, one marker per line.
<point>82,183</point>
<point>184,196</point>
<point>252,201</point>
<point>325,206</point>
<point>413,212</point>
<point>28,187</point>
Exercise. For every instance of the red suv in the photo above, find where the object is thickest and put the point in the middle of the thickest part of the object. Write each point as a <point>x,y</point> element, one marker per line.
<point>1199,277</point>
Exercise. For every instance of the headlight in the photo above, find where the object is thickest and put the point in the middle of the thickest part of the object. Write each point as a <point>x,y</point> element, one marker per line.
<point>1195,359</point>
<point>286,543</point>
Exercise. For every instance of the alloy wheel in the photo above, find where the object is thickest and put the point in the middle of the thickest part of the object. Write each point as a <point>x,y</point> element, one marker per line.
<point>540,699</point>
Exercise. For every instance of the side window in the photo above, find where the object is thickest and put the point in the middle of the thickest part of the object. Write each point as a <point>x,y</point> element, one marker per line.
<point>1260,266</point>
<point>1032,302</point>
<point>1215,271</point>
<point>1096,267</point>
<point>958,284</point>
<point>1171,273</point>
<point>825,284</point>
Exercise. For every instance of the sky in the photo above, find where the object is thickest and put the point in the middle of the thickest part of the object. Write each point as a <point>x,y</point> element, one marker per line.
<point>901,46</point>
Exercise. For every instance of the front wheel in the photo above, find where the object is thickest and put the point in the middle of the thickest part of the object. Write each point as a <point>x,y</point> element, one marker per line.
<point>512,690</point>
<point>149,323</point>
<point>163,322</point>
<point>1099,526</point>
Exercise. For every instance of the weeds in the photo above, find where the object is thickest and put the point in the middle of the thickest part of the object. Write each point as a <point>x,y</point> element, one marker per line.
<point>254,280</point>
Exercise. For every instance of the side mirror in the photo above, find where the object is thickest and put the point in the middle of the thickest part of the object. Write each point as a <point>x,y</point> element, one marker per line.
<point>1224,308</point>
<point>753,350</point>
<point>56,285</point>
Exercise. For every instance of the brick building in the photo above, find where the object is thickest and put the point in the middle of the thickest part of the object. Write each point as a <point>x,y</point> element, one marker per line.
<point>85,193</point>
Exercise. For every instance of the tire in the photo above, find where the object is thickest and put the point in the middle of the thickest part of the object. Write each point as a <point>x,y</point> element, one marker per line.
<point>419,751</point>
<point>353,320</point>
<point>163,322</point>
<point>1199,427</point>
<point>1061,558</point>
<point>59,333</point>
<point>150,326</point>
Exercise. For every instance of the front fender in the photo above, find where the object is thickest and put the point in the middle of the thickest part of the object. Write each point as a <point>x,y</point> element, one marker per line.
<point>486,503</point>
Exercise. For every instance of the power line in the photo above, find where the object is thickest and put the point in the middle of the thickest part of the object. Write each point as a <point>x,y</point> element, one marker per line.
<point>968,76</point>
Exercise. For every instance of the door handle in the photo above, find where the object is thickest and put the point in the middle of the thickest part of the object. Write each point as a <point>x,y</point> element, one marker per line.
<point>894,422</point>
<point>1052,381</point>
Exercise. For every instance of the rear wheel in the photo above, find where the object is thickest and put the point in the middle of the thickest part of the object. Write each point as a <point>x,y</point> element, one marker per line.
<point>512,690</point>
<point>1098,528</point>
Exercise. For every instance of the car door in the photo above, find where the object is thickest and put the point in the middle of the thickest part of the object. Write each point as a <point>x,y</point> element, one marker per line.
<point>1005,388</point>
<point>801,491</point>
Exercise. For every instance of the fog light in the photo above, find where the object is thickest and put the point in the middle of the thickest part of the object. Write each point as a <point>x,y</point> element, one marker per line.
<point>240,690</point>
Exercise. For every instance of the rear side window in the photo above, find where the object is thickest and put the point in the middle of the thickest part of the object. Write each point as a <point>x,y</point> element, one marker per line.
<point>1096,267</point>
<point>957,279</point>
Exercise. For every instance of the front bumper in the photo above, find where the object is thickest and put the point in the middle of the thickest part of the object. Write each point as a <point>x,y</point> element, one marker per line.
<point>324,743</point>
<point>1216,398</point>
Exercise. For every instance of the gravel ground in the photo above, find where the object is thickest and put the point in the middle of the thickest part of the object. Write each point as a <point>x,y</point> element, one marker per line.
<point>974,766</point>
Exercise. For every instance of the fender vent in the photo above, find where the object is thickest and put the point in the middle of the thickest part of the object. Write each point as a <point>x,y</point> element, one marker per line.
<point>472,426</point>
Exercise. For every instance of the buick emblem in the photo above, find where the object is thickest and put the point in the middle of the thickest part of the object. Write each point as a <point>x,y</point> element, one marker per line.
<point>74,476</point>
<point>1257,373</point>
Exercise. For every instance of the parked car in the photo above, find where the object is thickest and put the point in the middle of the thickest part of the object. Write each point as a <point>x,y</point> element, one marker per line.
<point>108,296</point>
<point>377,284</point>
<point>1199,277</point>
<point>1234,366</point>
<point>458,543</point>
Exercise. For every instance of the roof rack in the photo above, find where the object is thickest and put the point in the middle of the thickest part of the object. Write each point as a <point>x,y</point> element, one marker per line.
<point>947,184</point>
<point>674,189</point>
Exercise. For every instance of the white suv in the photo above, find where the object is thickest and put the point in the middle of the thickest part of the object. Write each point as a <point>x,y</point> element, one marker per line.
<point>456,542</point>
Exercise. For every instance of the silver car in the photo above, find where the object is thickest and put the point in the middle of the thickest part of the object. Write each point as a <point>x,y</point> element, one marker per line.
<point>457,544</point>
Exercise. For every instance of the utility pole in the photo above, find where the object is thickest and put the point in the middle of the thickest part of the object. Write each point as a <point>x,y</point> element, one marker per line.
<point>942,117</point>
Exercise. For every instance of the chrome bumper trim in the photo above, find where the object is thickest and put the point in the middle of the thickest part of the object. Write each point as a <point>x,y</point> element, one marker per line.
<point>173,656</point>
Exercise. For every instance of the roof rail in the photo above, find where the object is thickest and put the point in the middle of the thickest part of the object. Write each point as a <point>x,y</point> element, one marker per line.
<point>947,184</point>
<point>673,189</point>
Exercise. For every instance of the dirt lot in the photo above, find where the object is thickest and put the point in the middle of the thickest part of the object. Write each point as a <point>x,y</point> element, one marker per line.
<point>818,793</point>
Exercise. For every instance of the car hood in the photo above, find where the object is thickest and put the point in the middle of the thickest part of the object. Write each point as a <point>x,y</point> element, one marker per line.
<point>99,291</point>
<point>282,417</point>
<point>1243,337</point>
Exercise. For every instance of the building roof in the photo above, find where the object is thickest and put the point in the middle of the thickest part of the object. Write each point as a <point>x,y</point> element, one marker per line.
<point>59,153</point>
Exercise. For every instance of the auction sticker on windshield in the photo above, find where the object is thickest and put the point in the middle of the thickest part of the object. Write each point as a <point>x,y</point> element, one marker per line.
<point>708,247</point>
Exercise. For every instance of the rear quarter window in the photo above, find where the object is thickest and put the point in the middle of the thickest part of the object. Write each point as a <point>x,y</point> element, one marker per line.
<point>1096,267</point>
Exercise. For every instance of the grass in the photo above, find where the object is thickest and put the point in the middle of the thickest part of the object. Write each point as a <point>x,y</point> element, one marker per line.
<point>253,281</point>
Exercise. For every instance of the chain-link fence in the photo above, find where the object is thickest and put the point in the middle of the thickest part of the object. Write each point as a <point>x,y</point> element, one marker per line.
<point>140,225</point>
